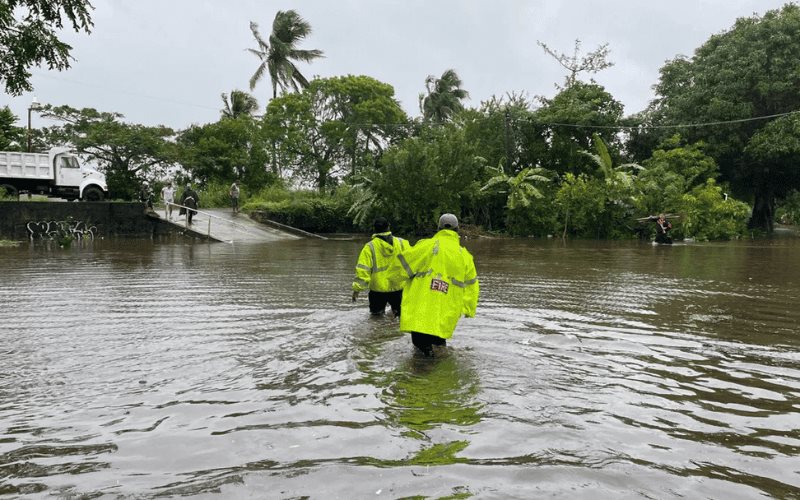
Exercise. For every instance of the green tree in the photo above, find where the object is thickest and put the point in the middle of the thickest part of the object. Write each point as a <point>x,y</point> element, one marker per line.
<point>504,132</point>
<point>747,72</point>
<point>710,215</point>
<point>28,37</point>
<point>672,171</point>
<point>425,176</point>
<point>371,116</point>
<point>239,104</point>
<point>12,138</point>
<point>128,153</point>
<point>230,149</point>
<point>279,55</point>
<point>571,118</point>
<point>334,127</point>
<point>776,147</point>
<point>580,201</point>
<point>443,98</point>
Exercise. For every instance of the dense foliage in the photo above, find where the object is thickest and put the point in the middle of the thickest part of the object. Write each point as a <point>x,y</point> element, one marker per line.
<point>747,72</point>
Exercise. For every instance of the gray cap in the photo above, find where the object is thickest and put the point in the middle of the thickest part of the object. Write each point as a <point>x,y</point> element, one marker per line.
<point>448,221</point>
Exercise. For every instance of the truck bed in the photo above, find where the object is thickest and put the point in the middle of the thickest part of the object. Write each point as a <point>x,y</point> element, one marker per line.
<point>16,165</point>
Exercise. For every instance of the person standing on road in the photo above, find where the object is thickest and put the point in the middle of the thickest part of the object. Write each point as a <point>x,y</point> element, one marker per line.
<point>168,196</point>
<point>190,200</point>
<point>234,192</point>
<point>373,264</point>
<point>441,286</point>
<point>146,197</point>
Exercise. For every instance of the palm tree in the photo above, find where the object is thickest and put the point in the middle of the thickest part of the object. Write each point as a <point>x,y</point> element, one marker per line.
<point>240,103</point>
<point>444,96</point>
<point>278,56</point>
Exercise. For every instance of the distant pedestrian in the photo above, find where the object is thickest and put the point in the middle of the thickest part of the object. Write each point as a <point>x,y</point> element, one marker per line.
<point>146,197</point>
<point>168,196</point>
<point>191,201</point>
<point>442,285</point>
<point>234,192</point>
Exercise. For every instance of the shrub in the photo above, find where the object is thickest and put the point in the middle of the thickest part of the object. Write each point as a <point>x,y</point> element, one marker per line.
<point>788,212</point>
<point>304,210</point>
<point>215,194</point>
<point>708,215</point>
<point>580,201</point>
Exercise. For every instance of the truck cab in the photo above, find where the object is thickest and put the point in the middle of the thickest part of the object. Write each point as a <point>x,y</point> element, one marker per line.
<point>75,180</point>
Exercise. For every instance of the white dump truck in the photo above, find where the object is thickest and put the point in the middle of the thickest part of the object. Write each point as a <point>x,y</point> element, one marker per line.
<point>57,173</point>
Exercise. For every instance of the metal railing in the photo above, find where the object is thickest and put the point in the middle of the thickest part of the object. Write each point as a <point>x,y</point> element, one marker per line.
<point>238,226</point>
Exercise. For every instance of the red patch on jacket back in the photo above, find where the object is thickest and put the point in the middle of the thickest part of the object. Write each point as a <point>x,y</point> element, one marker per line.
<point>439,285</point>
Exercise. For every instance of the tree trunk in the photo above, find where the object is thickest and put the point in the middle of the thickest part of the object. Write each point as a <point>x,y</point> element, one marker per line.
<point>763,216</point>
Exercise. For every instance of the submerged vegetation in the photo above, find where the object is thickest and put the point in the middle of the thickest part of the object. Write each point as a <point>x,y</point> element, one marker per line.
<point>330,154</point>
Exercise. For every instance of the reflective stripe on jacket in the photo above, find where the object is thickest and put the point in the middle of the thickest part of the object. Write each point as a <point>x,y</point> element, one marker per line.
<point>373,264</point>
<point>443,285</point>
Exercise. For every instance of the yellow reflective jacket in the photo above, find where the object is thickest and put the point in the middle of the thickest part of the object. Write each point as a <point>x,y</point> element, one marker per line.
<point>373,263</point>
<point>442,285</point>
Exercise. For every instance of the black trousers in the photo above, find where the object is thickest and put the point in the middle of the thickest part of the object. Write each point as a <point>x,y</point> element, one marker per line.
<point>663,238</point>
<point>425,342</point>
<point>378,301</point>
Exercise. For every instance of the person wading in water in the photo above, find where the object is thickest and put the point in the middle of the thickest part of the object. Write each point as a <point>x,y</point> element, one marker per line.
<point>663,227</point>
<point>372,266</point>
<point>441,286</point>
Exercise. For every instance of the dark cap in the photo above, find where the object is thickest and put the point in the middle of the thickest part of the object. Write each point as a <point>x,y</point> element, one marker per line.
<point>448,221</point>
<point>381,225</point>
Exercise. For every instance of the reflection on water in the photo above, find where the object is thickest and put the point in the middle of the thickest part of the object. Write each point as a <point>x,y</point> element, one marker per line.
<point>141,369</point>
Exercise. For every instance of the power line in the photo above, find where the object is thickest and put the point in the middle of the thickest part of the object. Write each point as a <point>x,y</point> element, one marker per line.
<point>406,124</point>
<point>117,90</point>
<point>607,127</point>
<point>685,125</point>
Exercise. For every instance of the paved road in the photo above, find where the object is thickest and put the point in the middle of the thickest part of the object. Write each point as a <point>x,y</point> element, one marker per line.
<point>226,226</point>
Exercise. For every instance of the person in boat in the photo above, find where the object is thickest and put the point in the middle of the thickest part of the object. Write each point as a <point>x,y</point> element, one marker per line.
<point>372,269</point>
<point>441,286</point>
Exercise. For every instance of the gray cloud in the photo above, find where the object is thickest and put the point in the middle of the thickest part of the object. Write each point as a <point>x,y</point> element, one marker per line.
<point>166,62</point>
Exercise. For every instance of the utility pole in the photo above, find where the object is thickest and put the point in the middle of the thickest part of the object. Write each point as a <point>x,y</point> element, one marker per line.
<point>508,143</point>
<point>34,106</point>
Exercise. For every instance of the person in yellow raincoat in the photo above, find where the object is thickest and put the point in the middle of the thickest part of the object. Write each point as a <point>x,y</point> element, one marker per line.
<point>441,286</point>
<point>373,264</point>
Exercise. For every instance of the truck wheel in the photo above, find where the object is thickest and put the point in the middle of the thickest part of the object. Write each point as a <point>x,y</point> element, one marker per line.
<point>9,191</point>
<point>92,193</point>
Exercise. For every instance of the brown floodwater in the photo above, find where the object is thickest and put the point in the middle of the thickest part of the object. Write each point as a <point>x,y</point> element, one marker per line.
<point>139,369</point>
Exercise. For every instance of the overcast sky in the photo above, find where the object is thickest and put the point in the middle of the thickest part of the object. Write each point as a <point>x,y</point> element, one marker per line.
<point>167,61</point>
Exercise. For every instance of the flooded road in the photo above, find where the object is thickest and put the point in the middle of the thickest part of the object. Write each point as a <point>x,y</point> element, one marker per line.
<point>133,369</point>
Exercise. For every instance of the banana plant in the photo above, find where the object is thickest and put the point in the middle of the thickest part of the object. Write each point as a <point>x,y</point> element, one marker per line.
<point>521,188</point>
<point>622,174</point>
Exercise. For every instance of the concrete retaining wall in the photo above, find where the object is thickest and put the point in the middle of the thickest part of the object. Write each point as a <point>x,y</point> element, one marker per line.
<point>19,219</point>
<point>261,217</point>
